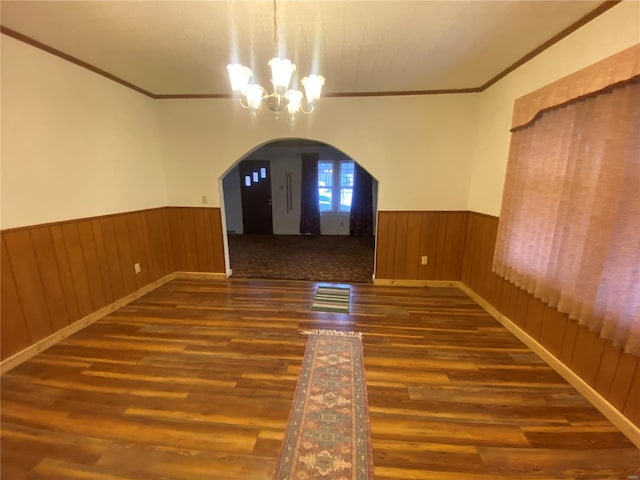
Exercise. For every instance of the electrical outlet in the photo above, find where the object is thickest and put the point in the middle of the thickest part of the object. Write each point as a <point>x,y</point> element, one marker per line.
<point>136,268</point>
<point>423,260</point>
<point>205,200</point>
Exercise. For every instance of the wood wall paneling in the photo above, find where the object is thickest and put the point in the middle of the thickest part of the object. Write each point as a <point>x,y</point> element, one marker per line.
<point>452,231</point>
<point>14,334</point>
<point>522,308</point>
<point>413,234</point>
<point>91,266</point>
<point>607,370</point>
<point>75,257</point>
<point>214,218</point>
<point>26,274</point>
<point>428,245</point>
<point>552,330</point>
<point>404,237</point>
<point>389,255</point>
<point>195,236</point>
<point>50,277</point>
<point>190,244</point>
<point>103,265</point>
<point>400,255</point>
<point>535,311</point>
<point>382,245</point>
<point>569,342</point>
<point>489,235</point>
<point>158,243</point>
<point>625,373</point>
<point>112,257</point>
<point>587,354</point>
<point>64,270</point>
<point>139,248</point>
<point>176,236</point>
<point>201,235</point>
<point>125,257</point>
<point>632,404</point>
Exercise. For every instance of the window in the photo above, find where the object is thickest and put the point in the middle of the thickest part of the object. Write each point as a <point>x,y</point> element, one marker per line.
<point>335,185</point>
<point>568,230</point>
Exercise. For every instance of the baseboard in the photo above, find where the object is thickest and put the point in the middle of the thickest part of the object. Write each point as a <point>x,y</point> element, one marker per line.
<point>201,275</point>
<point>41,345</point>
<point>626,426</point>
<point>390,282</point>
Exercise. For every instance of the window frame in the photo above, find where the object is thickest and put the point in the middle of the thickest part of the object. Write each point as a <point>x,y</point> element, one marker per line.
<point>336,186</point>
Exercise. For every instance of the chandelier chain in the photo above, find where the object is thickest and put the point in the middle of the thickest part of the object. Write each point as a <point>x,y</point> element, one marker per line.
<point>275,29</point>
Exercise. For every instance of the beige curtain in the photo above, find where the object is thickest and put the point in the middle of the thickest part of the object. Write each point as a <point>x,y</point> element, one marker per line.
<point>569,228</point>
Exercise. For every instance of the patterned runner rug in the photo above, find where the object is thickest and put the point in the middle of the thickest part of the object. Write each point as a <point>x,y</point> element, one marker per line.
<point>331,299</point>
<point>328,433</point>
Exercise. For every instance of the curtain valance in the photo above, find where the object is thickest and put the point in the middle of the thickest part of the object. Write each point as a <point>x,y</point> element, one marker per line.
<point>612,70</point>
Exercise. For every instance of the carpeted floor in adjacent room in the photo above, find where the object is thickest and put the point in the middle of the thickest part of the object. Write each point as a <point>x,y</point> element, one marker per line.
<point>326,258</point>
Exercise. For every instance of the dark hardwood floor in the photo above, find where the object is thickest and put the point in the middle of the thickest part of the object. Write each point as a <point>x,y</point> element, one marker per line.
<point>195,380</point>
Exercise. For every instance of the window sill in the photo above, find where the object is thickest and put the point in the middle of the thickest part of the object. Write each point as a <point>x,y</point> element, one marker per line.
<point>333,213</point>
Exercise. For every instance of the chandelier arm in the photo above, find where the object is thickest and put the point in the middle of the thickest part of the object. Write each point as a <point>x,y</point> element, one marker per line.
<point>243,105</point>
<point>307,112</point>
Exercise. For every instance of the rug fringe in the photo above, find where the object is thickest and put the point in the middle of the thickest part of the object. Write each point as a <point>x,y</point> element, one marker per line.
<point>335,333</point>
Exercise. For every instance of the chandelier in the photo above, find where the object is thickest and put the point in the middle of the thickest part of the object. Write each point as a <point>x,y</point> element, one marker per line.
<point>255,97</point>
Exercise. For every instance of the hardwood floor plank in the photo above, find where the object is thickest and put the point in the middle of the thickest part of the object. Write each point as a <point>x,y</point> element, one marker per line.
<point>195,381</point>
<point>73,448</point>
<point>562,463</point>
<point>186,464</point>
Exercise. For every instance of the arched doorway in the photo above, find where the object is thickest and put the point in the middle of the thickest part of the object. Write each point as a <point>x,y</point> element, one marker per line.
<point>264,200</point>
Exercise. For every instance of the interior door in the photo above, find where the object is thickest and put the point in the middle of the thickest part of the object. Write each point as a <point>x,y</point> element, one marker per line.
<point>255,181</point>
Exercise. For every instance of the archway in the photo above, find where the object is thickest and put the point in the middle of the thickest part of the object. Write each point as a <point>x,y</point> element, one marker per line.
<point>331,254</point>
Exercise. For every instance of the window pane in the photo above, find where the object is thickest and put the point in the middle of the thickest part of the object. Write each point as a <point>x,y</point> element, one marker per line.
<point>325,174</point>
<point>346,175</point>
<point>325,199</point>
<point>255,177</point>
<point>247,181</point>
<point>263,172</point>
<point>345,199</point>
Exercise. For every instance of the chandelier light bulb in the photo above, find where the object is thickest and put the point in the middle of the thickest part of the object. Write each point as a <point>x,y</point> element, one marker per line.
<point>239,76</point>
<point>313,87</point>
<point>281,71</point>
<point>295,101</point>
<point>254,94</point>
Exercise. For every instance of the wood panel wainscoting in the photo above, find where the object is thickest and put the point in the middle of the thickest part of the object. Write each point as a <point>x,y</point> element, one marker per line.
<point>612,373</point>
<point>57,276</point>
<point>403,238</point>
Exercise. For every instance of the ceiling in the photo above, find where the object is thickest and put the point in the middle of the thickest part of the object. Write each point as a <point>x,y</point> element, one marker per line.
<point>361,47</point>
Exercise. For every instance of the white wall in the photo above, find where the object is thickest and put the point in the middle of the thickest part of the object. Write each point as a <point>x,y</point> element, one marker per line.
<point>233,200</point>
<point>611,32</point>
<point>418,147</point>
<point>74,144</point>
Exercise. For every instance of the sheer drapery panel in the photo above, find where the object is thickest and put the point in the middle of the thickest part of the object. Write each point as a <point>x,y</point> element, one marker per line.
<point>569,230</point>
